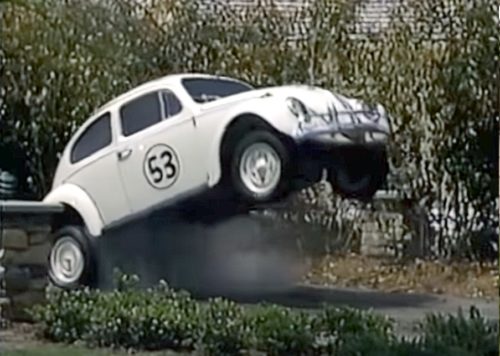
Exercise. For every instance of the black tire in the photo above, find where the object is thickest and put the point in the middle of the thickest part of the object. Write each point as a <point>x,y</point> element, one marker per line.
<point>80,237</point>
<point>236,155</point>
<point>361,173</point>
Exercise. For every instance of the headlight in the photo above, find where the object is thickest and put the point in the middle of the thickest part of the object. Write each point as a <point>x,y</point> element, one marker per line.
<point>298,109</point>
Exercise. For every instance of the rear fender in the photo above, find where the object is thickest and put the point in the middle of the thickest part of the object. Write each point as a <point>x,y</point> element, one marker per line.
<point>75,197</point>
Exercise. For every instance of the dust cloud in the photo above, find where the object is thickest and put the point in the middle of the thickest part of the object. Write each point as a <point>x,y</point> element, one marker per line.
<point>235,255</point>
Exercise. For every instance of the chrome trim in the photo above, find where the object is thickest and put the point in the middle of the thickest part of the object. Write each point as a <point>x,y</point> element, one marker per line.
<point>354,131</point>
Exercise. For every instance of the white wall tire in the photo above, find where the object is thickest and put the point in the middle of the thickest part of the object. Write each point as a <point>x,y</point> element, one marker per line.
<point>71,261</point>
<point>260,167</point>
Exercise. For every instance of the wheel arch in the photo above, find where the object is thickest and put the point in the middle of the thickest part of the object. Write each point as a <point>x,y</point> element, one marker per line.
<point>235,127</point>
<point>70,216</point>
<point>79,208</point>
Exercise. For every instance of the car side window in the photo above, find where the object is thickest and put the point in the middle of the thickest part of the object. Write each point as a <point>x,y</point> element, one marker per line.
<point>95,137</point>
<point>171,103</point>
<point>140,113</point>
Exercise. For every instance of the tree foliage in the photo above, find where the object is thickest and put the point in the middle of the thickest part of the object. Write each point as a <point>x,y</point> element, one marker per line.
<point>434,67</point>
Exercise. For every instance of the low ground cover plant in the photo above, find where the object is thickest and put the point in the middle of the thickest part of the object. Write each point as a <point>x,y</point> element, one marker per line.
<point>161,318</point>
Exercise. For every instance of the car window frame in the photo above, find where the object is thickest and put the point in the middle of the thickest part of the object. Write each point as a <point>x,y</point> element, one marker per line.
<point>80,136</point>
<point>183,81</point>
<point>136,97</point>
<point>165,104</point>
<point>164,117</point>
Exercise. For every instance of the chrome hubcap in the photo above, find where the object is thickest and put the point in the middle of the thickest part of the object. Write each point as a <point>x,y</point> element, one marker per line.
<point>66,260</point>
<point>260,168</point>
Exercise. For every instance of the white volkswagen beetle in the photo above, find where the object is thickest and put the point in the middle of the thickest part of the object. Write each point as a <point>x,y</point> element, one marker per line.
<point>176,136</point>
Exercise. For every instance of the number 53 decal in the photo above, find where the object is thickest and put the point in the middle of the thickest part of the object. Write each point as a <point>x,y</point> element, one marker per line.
<point>161,166</point>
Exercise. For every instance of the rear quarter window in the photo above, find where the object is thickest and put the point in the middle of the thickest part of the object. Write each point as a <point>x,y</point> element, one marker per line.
<point>171,104</point>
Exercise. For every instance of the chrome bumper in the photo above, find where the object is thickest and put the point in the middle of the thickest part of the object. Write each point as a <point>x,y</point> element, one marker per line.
<point>349,127</point>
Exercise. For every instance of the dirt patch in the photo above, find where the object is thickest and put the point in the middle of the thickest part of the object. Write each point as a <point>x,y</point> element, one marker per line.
<point>18,336</point>
<point>460,279</point>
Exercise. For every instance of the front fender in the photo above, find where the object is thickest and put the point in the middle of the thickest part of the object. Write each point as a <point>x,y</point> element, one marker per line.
<point>271,110</point>
<point>75,197</point>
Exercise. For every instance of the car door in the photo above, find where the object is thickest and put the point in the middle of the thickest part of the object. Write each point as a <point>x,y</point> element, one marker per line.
<point>158,153</point>
<point>93,163</point>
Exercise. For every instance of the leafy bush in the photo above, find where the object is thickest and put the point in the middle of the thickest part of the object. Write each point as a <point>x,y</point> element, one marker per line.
<point>225,330</point>
<point>282,331</point>
<point>359,325</point>
<point>156,319</point>
<point>62,60</point>
<point>474,334</point>
<point>162,318</point>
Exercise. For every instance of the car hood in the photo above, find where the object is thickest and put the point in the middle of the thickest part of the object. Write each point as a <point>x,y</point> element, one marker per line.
<point>316,99</point>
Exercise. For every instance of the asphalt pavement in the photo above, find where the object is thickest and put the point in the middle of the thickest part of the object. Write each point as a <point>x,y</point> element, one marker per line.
<point>406,309</point>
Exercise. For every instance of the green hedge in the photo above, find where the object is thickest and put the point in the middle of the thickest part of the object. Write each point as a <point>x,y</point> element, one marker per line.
<point>161,318</point>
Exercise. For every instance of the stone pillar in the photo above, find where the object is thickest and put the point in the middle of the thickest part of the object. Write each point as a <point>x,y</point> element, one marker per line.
<point>382,230</point>
<point>372,240</point>
<point>26,246</point>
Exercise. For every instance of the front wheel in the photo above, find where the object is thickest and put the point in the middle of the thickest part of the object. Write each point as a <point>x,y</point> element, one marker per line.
<point>361,173</point>
<point>72,259</point>
<point>260,167</point>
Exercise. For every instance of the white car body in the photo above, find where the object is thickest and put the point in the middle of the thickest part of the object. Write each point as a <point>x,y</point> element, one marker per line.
<point>180,155</point>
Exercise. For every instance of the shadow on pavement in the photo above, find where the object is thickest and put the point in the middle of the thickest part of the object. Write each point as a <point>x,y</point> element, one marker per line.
<point>311,297</point>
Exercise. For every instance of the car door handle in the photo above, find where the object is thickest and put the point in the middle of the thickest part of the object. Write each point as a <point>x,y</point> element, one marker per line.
<point>124,154</point>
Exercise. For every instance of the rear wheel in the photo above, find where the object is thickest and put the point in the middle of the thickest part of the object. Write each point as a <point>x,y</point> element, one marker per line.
<point>360,174</point>
<point>259,167</point>
<point>72,259</point>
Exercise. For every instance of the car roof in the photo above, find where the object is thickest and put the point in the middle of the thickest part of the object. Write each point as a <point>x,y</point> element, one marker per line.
<point>167,79</point>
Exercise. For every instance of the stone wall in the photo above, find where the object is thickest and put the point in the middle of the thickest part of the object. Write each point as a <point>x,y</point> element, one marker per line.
<point>396,228</point>
<point>25,245</point>
<point>382,230</point>
<point>383,238</point>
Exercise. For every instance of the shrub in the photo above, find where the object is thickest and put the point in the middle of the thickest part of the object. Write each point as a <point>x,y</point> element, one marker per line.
<point>224,330</point>
<point>68,316</point>
<point>161,318</point>
<point>346,328</point>
<point>473,334</point>
<point>282,331</point>
<point>158,318</point>
<point>62,60</point>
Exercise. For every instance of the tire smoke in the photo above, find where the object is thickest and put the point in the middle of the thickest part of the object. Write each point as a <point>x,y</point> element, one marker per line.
<point>237,255</point>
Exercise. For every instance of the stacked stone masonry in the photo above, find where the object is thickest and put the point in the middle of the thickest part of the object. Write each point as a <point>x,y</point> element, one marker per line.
<point>394,228</point>
<point>26,245</point>
<point>383,236</point>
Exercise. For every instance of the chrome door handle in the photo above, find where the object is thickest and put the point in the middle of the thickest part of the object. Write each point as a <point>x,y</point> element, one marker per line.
<point>124,154</point>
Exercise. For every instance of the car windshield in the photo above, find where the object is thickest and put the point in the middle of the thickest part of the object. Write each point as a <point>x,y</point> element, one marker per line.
<point>203,90</point>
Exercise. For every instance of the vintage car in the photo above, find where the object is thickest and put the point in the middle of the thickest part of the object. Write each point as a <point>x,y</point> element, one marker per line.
<point>179,135</point>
